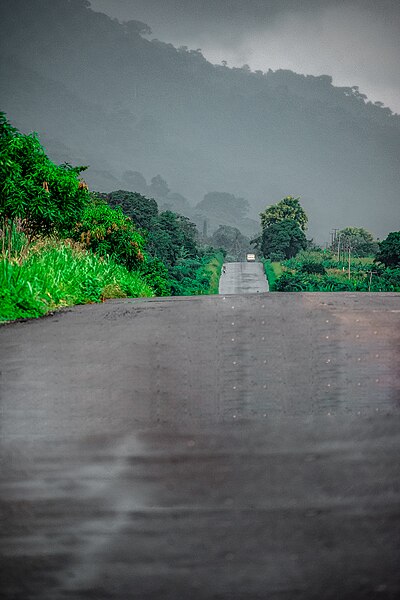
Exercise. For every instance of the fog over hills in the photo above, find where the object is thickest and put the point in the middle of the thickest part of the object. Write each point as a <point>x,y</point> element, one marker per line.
<point>102,93</point>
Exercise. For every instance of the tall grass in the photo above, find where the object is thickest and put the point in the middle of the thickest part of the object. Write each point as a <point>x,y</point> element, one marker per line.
<point>56,274</point>
<point>13,241</point>
<point>273,270</point>
<point>214,267</point>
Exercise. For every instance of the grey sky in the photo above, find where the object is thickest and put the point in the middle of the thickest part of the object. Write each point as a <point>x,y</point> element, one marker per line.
<point>355,41</point>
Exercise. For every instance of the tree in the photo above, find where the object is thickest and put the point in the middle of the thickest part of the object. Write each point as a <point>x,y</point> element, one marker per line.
<point>222,204</point>
<point>172,237</point>
<point>143,211</point>
<point>231,240</point>
<point>287,209</point>
<point>33,190</point>
<point>389,250</point>
<point>107,231</point>
<point>137,27</point>
<point>283,238</point>
<point>158,187</point>
<point>176,203</point>
<point>135,181</point>
<point>360,241</point>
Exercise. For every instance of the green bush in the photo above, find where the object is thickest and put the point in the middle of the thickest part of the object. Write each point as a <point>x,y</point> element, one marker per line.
<point>304,282</point>
<point>156,274</point>
<point>108,232</point>
<point>214,267</point>
<point>389,250</point>
<point>313,268</point>
<point>269,273</point>
<point>389,281</point>
<point>44,196</point>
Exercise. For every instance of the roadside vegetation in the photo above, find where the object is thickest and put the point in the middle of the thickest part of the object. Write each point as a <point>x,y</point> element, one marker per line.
<point>322,272</point>
<point>214,268</point>
<point>273,270</point>
<point>355,262</point>
<point>63,245</point>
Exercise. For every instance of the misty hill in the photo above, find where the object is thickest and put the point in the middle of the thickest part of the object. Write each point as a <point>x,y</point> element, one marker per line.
<point>102,93</point>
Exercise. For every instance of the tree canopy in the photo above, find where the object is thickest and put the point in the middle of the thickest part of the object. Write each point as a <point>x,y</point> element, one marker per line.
<point>143,211</point>
<point>222,203</point>
<point>107,231</point>
<point>360,241</point>
<point>44,196</point>
<point>232,241</point>
<point>283,239</point>
<point>287,209</point>
<point>389,250</point>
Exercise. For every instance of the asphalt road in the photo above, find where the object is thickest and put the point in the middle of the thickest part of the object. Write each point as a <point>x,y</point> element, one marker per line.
<point>227,447</point>
<point>243,278</point>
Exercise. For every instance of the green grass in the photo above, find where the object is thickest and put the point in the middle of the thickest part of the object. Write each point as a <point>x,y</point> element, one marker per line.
<point>273,270</point>
<point>214,267</point>
<point>334,276</point>
<point>57,274</point>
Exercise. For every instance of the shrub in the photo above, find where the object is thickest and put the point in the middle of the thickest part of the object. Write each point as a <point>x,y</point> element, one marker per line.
<point>108,232</point>
<point>156,274</point>
<point>277,257</point>
<point>389,250</point>
<point>312,268</point>
<point>43,196</point>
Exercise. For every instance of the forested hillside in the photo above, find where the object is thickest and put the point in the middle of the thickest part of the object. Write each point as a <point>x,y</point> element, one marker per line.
<point>105,94</point>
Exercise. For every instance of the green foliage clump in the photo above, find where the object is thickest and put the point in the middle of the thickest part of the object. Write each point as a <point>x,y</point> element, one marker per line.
<point>321,272</point>
<point>214,267</point>
<point>282,238</point>
<point>143,211</point>
<point>190,278</point>
<point>276,256</point>
<point>156,274</point>
<point>172,238</point>
<point>57,274</point>
<point>108,232</point>
<point>173,260</point>
<point>288,209</point>
<point>118,244</point>
<point>232,241</point>
<point>389,250</point>
<point>314,268</point>
<point>270,272</point>
<point>305,282</point>
<point>360,242</point>
<point>387,281</point>
<point>33,190</point>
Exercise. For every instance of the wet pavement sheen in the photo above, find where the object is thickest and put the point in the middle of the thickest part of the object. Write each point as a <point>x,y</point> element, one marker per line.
<point>243,278</point>
<point>237,447</point>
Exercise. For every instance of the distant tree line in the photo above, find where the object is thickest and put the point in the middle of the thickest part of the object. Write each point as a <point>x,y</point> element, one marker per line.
<point>354,262</point>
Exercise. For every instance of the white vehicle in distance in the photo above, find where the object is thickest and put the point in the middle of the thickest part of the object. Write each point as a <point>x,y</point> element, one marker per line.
<point>250,257</point>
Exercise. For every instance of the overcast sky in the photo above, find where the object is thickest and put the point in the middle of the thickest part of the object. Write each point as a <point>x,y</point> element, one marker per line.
<point>355,41</point>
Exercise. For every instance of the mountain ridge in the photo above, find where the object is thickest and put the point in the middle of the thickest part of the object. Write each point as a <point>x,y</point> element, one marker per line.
<point>144,105</point>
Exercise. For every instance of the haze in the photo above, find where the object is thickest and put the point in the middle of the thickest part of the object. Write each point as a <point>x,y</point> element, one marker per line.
<point>357,42</point>
<point>216,143</point>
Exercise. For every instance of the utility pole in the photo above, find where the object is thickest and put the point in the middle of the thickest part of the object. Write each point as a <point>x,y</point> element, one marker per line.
<point>334,236</point>
<point>338,248</point>
<point>370,279</point>
<point>349,259</point>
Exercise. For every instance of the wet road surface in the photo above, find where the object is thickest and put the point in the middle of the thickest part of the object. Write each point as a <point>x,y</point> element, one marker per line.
<point>231,447</point>
<point>243,278</point>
